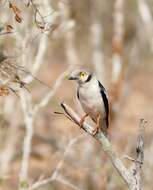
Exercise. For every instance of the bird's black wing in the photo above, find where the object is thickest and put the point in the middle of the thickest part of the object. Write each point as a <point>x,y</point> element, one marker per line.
<point>105,100</point>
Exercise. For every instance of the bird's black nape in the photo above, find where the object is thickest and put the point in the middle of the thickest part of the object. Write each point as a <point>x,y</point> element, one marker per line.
<point>89,78</point>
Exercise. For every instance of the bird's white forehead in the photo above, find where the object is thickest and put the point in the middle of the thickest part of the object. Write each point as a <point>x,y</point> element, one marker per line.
<point>77,71</point>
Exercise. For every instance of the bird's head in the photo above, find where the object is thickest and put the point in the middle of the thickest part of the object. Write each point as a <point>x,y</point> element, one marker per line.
<point>80,75</point>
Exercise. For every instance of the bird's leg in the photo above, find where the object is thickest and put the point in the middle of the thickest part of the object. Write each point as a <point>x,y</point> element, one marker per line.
<point>83,119</point>
<point>96,129</point>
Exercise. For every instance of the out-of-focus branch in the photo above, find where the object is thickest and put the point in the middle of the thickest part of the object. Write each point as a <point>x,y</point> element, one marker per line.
<point>97,55</point>
<point>129,177</point>
<point>117,54</point>
<point>65,182</point>
<point>27,105</point>
<point>147,19</point>
<point>28,117</point>
<point>118,17</point>
<point>44,101</point>
<point>97,41</point>
<point>43,43</point>
<point>56,174</point>
<point>39,57</point>
<point>71,52</point>
<point>9,149</point>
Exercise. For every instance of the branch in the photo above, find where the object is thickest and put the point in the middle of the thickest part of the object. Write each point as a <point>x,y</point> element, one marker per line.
<point>44,101</point>
<point>43,42</point>
<point>97,54</point>
<point>56,174</point>
<point>146,16</point>
<point>139,155</point>
<point>70,49</point>
<point>106,145</point>
<point>97,42</point>
<point>28,117</point>
<point>118,17</point>
<point>126,175</point>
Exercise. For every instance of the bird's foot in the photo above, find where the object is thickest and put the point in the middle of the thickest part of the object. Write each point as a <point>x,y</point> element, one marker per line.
<point>95,131</point>
<point>97,128</point>
<point>82,120</point>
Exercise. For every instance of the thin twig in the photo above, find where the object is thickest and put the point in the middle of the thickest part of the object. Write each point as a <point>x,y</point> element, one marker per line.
<point>44,101</point>
<point>130,159</point>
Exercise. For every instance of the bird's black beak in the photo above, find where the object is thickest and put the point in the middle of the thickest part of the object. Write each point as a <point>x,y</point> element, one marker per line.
<point>72,78</point>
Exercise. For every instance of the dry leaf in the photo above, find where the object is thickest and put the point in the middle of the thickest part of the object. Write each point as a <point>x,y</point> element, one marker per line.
<point>9,28</point>
<point>18,18</point>
<point>41,27</point>
<point>16,11</point>
<point>4,91</point>
<point>28,4</point>
<point>14,8</point>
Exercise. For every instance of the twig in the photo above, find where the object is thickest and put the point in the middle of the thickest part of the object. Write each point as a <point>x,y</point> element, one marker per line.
<point>39,57</point>
<point>131,159</point>
<point>44,101</point>
<point>67,183</point>
<point>37,11</point>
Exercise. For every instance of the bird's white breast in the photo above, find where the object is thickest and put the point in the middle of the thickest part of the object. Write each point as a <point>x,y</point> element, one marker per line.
<point>91,99</point>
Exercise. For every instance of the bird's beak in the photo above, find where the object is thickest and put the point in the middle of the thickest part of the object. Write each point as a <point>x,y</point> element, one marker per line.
<point>72,78</point>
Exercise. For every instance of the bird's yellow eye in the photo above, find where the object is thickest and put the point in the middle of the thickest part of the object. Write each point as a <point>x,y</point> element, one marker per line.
<point>82,74</point>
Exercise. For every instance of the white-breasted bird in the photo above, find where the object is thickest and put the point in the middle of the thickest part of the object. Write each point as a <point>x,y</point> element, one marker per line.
<point>92,96</point>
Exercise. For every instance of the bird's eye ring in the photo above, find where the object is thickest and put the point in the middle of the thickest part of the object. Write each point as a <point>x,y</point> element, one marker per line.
<point>82,74</point>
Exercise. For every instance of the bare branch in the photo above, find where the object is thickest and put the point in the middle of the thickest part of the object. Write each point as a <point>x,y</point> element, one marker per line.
<point>9,149</point>
<point>137,172</point>
<point>66,182</point>
<point>51,93</point>
<point>146,16</point>
<point>39,57</point>
<point>28,116</point>
<point>106,145</point>
<point>97,41</point>
<point>128,176</point>
<point>71,53</point>
<point>117,39</point>
<point>97,56</point>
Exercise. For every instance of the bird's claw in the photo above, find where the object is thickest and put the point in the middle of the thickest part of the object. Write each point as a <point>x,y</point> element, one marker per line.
<point>95,131</point>
<point>97,128</point>
<point>82,120</point>
<point>81,123</point>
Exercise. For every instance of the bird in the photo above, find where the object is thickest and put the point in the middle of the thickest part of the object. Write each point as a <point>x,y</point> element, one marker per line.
<point>93,98</point>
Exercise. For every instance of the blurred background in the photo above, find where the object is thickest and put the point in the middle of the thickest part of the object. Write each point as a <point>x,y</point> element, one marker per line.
<point>40,42</point>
